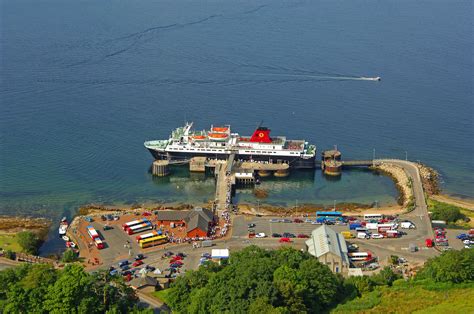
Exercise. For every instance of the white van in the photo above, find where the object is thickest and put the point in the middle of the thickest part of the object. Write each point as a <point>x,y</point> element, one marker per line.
<point>407,225</point>
<point>362,235</point>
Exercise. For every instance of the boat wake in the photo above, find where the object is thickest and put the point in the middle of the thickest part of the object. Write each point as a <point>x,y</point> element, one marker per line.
<point>321,77</point>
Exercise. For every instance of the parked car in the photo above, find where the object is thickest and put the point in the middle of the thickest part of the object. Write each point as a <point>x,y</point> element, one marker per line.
<point>377,236</point>
<point>181,254</point>
<point>125,267</point>
<point>276,235</point>
<point>107,227</point>
<point>139,257</point>
<point>109,217</point>
<point>373,266</point>
<point>462,236</point>
<point>329,222</point>
<point>288,235</point>
<point>137,263</point>
<point>175,265</point>
<point>297,220</point>
<point>260,235</point>
<point>113,272</point>
<point>274,220</point>
<point>168,254</point>
<point>123,263</point>
<point>251,225</point>
<point>307,220</point>
<point>302,236</point>
<point>286,220</point>
<point>206,255</point>
<point>284,240</point>
<point>150,268</point>
<point>103,218</point>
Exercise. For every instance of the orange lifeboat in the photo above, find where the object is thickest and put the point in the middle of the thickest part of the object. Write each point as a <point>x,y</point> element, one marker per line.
<point>218,136</point>
<point>199,137</point>
<point>220,129</point>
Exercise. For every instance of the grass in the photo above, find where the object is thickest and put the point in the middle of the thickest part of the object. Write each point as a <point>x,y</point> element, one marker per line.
<point>437,206</point>
<point>409,298</point>
<point>162,295</point>
<point>9,242</point>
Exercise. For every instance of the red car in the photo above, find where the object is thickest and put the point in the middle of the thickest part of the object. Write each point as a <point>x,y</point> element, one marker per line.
<point>303,236</point>
<point>177,258</point>
<point>284,240</point>
<point>297,220</point>
<point>176,262</point>
<point>146,214</point>
<point>137,263</point>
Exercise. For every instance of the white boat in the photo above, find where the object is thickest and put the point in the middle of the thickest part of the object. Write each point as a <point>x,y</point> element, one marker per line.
<point>62,229</point>
<point>65,238</point>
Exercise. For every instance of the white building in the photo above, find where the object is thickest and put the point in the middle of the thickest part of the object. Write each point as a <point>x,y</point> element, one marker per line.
<point>330,248</point>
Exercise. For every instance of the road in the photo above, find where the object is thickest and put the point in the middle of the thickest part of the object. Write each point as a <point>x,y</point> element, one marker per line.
<point>420,213</point>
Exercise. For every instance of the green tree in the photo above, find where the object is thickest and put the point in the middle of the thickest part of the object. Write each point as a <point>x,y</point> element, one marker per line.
<point>69,256</point>
<point>29,242</point>
<point>451,266</point>
<point>385,277</point>
<point>262,306</point>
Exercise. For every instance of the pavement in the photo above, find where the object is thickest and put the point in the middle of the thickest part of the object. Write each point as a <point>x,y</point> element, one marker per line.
<point>420,213</point>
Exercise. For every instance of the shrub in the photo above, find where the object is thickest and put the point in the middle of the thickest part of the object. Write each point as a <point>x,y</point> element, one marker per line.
<point>29,242</point>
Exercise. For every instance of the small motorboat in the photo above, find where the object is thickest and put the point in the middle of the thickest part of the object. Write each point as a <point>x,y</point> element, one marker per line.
<point>70,244</point>
<point>65,238</point>
<point>62,229</point>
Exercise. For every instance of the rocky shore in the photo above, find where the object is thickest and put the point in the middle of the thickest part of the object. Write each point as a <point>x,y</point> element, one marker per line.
<point>401,179</point>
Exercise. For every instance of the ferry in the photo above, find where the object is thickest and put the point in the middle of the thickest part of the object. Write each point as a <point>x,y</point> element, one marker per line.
<point>219,142</point>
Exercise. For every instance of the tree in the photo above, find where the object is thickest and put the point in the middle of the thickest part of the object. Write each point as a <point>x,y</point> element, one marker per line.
<point>29,242</point>
<point>385,277</point>
<point>69,256</point>
<point>451,266</point>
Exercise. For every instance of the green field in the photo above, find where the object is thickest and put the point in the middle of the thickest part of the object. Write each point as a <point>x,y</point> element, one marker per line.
<point>409,298</point>
<point>9,242</point>
<point>161,295</point>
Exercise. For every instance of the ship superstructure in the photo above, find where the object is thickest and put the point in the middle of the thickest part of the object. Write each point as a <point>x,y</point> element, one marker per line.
<point>219,142</point>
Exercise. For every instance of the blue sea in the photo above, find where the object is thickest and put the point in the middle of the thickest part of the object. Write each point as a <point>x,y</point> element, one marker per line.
<point>85,83</point>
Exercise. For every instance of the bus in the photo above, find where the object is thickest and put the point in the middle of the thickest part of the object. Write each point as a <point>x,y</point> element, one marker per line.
<point>129,224</point>
<point>140,228</point>
<point>146,236</point>
<point>92,232</point>
<point>329,214</point>
<point>98,243</point>
<point>373,217</point>
<point>360,256</point>
<point>153,241</point>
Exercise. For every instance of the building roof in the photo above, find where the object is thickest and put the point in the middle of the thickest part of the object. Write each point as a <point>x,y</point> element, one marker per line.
<point>220,253</point>
<point>196,218</point>
<point>325,240</point>
<point>143,281</point>
<point>173,215</point>
<point>199,218</point>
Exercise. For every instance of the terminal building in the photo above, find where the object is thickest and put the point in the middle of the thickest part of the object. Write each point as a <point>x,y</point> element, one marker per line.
<point>329,248</point>
<point>197,221</point>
